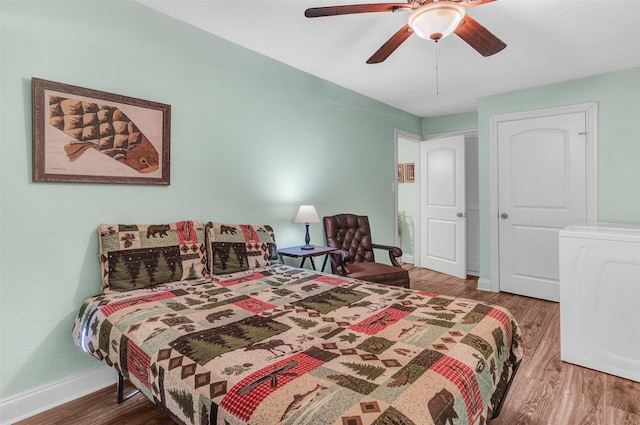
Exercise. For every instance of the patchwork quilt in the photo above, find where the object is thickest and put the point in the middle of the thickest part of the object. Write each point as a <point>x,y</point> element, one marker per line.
<point>283,345</point>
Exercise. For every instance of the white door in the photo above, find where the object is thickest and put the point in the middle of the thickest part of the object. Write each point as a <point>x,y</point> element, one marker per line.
<point>442,206</point>
<point>541,189</point>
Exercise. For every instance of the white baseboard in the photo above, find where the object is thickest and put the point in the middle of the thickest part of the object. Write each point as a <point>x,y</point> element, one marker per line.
<point>25,405</point>
<point>485,285</point>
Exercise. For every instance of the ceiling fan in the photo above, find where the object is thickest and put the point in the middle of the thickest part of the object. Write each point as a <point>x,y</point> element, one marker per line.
<point>428,19</point>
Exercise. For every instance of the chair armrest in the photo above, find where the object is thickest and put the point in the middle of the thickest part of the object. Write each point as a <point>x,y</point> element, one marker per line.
<point>394,252</point>
<point>341,258</point>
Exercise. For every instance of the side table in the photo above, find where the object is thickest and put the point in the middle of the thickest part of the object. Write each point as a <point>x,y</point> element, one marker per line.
<point>298,252</point>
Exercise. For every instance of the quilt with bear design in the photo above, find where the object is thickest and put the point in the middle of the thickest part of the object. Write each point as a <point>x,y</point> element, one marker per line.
<point>284,345</point>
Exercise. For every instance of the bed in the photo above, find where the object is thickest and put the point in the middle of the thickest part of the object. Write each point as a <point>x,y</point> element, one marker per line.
<point>276,344</point>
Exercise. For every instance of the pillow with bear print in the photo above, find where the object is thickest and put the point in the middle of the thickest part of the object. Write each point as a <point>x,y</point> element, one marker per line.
<point>134,256</point>
<point>238,247</point>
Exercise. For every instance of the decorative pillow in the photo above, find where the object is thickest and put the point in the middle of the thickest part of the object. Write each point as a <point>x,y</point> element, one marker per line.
<point>238,247</point>
<point>134,256</point>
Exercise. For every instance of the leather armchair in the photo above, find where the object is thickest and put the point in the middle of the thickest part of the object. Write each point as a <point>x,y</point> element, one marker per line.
<point>350,235</point>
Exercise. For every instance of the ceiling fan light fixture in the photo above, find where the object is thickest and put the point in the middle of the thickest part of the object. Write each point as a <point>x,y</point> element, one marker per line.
<point>435,21</point>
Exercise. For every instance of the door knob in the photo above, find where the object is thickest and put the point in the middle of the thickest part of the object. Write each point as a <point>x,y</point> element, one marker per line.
<point>504,215</point>
<point>459,214</point>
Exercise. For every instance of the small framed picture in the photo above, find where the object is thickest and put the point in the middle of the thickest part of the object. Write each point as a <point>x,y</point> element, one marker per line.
<point>409,172</point>
<point>400,173</point>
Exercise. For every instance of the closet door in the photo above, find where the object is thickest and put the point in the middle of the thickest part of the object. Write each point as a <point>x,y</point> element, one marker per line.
<point>541,189</point>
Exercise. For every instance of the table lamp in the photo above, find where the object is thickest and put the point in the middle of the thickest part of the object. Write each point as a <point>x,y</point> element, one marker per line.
<point>307,214</point>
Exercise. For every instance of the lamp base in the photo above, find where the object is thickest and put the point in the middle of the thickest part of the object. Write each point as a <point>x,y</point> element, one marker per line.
<point>307,239</point>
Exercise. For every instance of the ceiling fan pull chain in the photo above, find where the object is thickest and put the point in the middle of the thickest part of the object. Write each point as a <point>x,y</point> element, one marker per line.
<point>437,51</point>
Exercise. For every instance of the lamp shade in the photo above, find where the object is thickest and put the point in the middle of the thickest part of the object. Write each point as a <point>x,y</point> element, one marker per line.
<point>436,20</point>
<point>307,214</point>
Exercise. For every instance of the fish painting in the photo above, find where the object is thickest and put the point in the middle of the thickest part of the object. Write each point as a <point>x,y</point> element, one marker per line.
<point>104,128</point>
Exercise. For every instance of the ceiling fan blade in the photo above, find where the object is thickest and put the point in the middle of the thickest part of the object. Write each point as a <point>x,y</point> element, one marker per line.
<point>392,44</point>
<point>478,37</point>
<point>316,12</point>
<point>473,3</point>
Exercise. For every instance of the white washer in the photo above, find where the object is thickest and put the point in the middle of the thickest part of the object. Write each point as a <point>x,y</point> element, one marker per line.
<point>600,297</point>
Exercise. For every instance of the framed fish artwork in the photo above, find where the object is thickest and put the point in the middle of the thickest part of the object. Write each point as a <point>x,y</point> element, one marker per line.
<point>82,135</point>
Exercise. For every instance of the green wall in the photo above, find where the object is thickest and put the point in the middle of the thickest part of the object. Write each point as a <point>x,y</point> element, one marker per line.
<point>251,140</point>
<point>618,97</point>
<point>449,123</point>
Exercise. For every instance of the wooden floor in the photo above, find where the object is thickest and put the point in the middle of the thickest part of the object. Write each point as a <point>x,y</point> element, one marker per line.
<point>545,391</point>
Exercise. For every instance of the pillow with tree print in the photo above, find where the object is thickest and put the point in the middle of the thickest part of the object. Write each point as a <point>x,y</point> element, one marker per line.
<point>238,247</point>
<point>134,256</point>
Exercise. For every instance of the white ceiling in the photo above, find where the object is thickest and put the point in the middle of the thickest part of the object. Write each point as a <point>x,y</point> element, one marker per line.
<point>547,41</point>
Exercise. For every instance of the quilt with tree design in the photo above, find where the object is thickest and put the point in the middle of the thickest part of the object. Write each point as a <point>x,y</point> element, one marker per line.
<point>284,345</point>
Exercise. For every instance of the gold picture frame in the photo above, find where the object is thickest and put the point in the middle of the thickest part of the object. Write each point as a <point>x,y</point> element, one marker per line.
<point>83,135</point>
<point>400,173</point>
<point>409,172</point>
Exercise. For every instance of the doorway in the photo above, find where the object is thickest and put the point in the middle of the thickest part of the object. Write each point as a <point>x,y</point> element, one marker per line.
<point>408,223</point>
<point>543,174</point>
<point>406,190</point>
